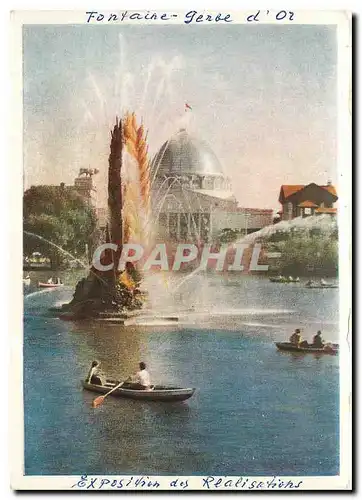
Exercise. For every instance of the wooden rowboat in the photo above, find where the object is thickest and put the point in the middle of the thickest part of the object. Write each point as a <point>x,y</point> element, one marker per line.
<point>327,349</point>
<point>158,393</point>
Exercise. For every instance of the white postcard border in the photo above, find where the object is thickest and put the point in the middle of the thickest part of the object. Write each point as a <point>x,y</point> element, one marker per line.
<point>343,481</point>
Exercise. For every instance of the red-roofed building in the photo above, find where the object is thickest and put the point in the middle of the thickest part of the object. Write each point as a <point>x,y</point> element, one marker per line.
<point>303,200</point>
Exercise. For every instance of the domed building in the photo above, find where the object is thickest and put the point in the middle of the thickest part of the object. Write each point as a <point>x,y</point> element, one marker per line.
<point>192,197</point>
<point>193,163</point>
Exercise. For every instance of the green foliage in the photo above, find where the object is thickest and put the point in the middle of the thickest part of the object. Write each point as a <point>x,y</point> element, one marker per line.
<point>307,252</point>
<point>228,235</point>
<point>60,215</point>
<point>278,236</point>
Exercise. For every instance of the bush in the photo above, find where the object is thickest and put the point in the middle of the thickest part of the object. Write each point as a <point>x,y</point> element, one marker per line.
<point>307,253</point>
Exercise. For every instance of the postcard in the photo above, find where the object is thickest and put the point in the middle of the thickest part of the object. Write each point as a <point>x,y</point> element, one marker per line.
<point>183,310</point>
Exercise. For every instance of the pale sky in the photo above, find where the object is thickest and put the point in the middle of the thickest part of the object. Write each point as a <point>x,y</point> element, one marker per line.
<point>263,97</point>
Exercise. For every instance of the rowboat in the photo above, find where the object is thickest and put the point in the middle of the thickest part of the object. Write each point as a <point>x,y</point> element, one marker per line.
<point>49,285</point>
<point>327,349</point>
<point>293,280</point>
<point>278,279</point>
<point>158,392</point>
<point>321,286</point>
<point>283,279</point>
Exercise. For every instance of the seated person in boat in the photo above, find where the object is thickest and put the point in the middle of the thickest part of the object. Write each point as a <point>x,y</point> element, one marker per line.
<point>94,375</point>
<point>317,340</point>
<point>304,343</point>
<point>296,338</point>
<point>141,381</point>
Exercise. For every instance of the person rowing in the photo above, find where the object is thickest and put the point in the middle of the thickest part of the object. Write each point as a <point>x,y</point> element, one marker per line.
<point>317,340</point>
<point>141,380</point>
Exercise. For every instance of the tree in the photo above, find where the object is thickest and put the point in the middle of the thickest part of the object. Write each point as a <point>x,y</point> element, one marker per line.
<point>304,252</point>
<point>228,235</point>
<point>57,216</point>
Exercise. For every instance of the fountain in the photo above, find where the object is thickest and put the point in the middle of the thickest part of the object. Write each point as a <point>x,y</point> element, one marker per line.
<point>324,223</point>
<point>122,294</point>
<point>115,293</point>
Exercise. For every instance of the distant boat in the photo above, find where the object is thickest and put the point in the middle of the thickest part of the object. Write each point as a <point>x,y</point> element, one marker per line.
<point>327,349</point>
<point>29,265</point>
<point>321,284</point>
<point>278,279</point>
<point>283,279</point>
<point>51,284</point>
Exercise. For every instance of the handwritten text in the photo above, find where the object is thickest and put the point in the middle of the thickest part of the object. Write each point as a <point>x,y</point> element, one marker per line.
<point>190,17</point>
<point>265,16</point>
<point>212,483</point>
<point>183,483</point>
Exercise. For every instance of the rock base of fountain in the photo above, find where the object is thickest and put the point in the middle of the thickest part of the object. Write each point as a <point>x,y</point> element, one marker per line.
<point>100,298</point>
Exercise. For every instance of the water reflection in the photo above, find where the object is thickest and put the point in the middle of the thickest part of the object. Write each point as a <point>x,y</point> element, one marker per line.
<point>299,356</point>
<point>132,433</point>
<point>117,348</point>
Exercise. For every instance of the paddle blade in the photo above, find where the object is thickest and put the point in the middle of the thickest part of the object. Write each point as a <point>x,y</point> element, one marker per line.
<point>97,402</point>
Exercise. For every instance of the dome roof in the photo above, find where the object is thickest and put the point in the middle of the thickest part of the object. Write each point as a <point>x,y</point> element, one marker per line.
<point>183,154</point>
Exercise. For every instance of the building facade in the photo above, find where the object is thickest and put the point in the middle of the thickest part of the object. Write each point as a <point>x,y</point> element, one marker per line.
<point>85,187</point>
<point>305,200</point>
<point>192,198</point>
<point>84,184</point>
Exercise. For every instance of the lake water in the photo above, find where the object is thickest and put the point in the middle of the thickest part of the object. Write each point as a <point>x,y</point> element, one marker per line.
<point>256,411</point>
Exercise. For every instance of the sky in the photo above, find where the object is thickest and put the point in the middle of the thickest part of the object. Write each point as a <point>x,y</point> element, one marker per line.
<point>264,98</point>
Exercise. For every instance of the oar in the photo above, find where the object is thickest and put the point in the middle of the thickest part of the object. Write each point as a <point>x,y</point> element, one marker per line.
<point>98,401</point>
